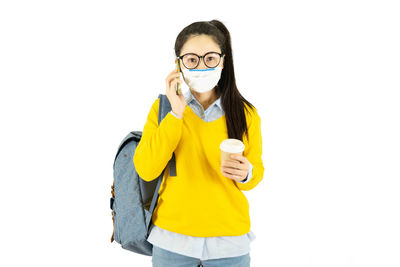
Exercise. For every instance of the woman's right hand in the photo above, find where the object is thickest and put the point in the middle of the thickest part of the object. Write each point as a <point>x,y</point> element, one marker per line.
<point>178,102</point>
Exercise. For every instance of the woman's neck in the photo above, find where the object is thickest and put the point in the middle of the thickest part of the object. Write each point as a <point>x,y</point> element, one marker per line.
<point>206,98</point>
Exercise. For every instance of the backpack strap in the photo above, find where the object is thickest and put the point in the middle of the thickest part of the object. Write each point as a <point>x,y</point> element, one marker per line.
<point>112,211</point>
<point>154,201</point>
<point>163,110</point>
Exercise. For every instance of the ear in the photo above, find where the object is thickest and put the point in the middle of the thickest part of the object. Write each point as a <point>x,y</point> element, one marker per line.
<point>223,61</point>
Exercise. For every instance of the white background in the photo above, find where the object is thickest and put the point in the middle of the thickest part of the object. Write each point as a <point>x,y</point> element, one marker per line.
<point>77,76</point>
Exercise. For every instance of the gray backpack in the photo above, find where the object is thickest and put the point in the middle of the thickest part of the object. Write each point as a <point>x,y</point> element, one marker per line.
<point>133,199</point>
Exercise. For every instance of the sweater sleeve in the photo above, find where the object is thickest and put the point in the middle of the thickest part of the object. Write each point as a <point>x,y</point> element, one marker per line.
<point>253,153</point>
<point>157,143</point>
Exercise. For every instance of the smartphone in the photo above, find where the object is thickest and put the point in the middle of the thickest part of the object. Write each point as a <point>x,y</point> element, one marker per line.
<point>178,85</point>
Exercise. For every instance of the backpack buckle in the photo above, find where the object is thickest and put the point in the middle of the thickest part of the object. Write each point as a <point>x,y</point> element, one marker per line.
<point>111,203</point>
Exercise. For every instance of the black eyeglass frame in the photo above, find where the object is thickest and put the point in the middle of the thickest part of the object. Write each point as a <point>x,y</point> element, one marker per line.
<point>202,58</point>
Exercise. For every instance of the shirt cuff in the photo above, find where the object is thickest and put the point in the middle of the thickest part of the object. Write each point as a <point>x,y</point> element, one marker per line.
<point>247,179</point>
<point>175,115</point>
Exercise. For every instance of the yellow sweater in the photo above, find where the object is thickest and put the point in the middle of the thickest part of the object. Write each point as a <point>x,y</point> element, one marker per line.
<point>200,201</point>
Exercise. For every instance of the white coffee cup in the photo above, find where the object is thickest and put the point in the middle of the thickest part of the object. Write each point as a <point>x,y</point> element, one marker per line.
<point>230,147</point>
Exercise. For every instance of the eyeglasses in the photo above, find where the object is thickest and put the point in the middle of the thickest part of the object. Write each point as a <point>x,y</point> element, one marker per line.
<point>210,59</point>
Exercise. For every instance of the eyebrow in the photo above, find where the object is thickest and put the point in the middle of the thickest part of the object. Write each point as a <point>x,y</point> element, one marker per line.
<point>203,54</point>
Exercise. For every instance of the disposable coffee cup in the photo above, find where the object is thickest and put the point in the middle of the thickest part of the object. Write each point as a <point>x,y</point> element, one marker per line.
<point>230,147</point>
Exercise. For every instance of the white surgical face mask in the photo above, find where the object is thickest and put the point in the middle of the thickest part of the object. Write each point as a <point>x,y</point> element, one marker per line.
<point>202,80</point>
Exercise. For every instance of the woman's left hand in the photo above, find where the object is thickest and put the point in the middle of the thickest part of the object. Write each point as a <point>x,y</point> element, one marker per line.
<point>236,169</point>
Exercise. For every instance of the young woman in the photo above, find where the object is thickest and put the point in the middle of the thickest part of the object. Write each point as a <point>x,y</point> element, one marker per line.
<point>202,215</point>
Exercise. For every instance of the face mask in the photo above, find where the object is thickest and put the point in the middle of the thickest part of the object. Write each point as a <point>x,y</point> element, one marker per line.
<point>202,80</point>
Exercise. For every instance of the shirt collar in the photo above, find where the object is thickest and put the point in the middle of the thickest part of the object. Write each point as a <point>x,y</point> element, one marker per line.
<point>190,98</point>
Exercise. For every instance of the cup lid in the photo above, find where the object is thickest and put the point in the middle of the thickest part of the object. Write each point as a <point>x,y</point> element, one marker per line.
<point>232,145</point>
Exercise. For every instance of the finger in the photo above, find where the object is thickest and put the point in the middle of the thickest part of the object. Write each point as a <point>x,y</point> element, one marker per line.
<point>175,71</point>
<point>232,176</point>
<point>234,171</point>
<point>238,157</point>
<point>173,84</point>
<point>232,164</point>
<point>172,75</point>
<point>169,80</point>
<point>174,79</point>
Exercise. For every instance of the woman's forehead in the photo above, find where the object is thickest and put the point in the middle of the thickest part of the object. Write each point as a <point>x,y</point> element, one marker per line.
<point>200,45</point>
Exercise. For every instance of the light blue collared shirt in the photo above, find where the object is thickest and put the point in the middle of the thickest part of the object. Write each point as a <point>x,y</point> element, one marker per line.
<point>203,248</point>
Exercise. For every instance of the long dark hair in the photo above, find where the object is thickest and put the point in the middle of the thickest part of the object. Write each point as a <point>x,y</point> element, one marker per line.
<point>232,101</point>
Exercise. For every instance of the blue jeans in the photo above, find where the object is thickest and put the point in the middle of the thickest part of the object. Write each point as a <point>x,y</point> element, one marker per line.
<point>166,258</point>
